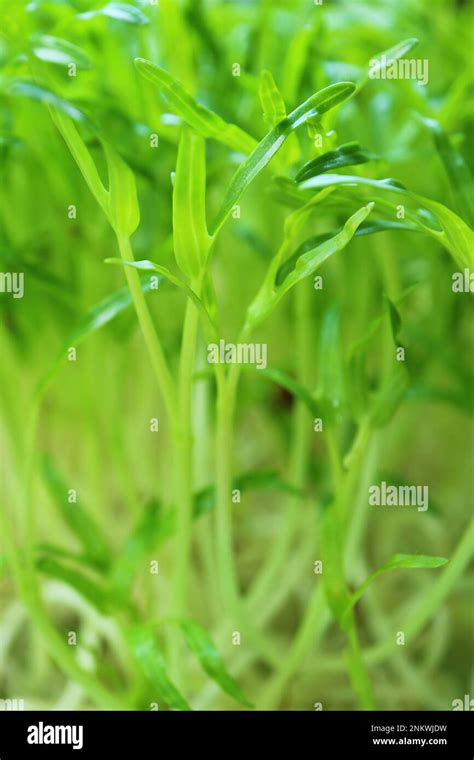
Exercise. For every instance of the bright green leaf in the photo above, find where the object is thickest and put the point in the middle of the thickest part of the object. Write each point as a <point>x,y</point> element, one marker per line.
<point>199,642</point>
<point>90,589</point>
<point>270,294</point>
<point>151,661</point>
<point>200,118</point>
<point>76,517</point>
<point>457,170</point>
<point>190,236</point>
<point>348,154</point>
<point>317,104</point>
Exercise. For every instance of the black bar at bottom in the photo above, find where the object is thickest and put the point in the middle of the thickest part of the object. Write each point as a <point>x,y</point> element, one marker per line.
<point>147,734</point>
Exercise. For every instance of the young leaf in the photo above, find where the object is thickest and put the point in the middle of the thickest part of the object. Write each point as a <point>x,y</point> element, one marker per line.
<point>452,232</point>
<point>331,383</point>
<point>205,122</point>
<point>398,561</point>
<point>78,520</point>
<point>395,321</point>
<point>270,294</point>
<point>389,397</point>
<point>190,236</point>
<point>204,500</point>
<point>151,662</point>
<point>82,157</point>
<point>456,236</point>
<point>348,154</point>
<point>273,105</point>
<point>456,168</point>
<point>123,209</point>
<point>150,266</point>
<point>120,12</point>
<point>297,390</point>
<point>369,227</point>
<point>144,538</point>
<point>88,588</point>
<point>380,61</point>
<point>199,642</point>
<point>316,105</point>
<point>55,50</point>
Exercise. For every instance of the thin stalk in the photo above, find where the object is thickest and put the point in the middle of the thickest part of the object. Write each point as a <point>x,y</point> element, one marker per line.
<point>308,635</point>
<point>230,594</point>
<point>152,341</point>
<point>182,436</point>
<point>223,454</point>
<point>299,453</point>
<point>356,666</point>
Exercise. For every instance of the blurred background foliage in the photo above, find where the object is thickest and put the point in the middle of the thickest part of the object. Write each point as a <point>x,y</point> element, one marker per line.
<point>94,426</point>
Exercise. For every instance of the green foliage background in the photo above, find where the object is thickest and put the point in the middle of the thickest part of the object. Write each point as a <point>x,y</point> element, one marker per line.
<point>245,566</point>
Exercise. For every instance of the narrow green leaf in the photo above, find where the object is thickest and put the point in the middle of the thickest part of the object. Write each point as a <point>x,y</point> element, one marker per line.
<point>120,12</point>
<point>190,235</point>
<point>58,552</point>
<point>331,389</point>
<point>273,105</point>
<point>457,170</point>
<point>144,538</point>
<point>199,642</point>
<point>395,321</point>
<point>55,50</point>
<point>389,396</point>
<point>270,294</point>
<point>397,561</point>
<point>453,232</point>
<point>369,227</point>
<point>150,266</point>
<point>151,662</point>
<point>123,209</point>
<point>297,390</point>
<point>456,236</point>
<point>82,157</point>
<point>76,517</point>
<point>205,122</point>
<point>310,261</point>
<point>380,61</point>
<point>85,586</point>
<point>348,154</point>
<point>316,105</point>
<point>204,500</point>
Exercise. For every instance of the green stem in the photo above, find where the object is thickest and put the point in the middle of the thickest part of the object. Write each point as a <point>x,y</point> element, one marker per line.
<point>223,453</point>
<point>299,453</point>
<point>152,341</point>
<point>182,435</point>
<point>357,669</point>
<point>309,632</point>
